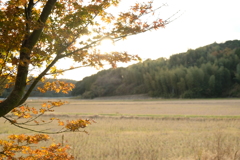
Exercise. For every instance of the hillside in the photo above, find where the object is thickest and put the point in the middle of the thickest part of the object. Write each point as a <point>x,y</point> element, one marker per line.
<point>208,71</point>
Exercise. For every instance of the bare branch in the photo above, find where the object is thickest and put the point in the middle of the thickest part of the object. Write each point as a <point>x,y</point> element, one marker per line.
<point>39,131</point>
<point>65,70</point>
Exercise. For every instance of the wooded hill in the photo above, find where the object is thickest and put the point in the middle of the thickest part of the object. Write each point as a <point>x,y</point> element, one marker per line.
<point>209,71</point>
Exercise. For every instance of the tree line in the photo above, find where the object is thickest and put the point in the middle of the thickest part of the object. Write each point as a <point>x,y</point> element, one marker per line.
<point>206,72</point>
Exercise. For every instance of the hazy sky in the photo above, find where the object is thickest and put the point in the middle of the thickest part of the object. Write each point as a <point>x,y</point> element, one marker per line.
<point>201,23</point>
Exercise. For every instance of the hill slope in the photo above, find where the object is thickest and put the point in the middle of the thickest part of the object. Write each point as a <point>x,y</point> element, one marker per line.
<point>209,71</point>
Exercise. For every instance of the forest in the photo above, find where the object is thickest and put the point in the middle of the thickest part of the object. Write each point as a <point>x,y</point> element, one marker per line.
<point>210,71</point>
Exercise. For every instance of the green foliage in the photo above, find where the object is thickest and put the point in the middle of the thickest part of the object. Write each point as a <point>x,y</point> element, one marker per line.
<point>209,71</point>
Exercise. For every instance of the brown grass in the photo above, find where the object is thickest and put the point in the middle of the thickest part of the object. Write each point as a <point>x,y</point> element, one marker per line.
<point>225,107</point>
<point>125,135</point>
<point>157,139</point>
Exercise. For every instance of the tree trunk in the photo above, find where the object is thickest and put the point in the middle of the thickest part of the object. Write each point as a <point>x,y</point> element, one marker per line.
<point>29,42</point>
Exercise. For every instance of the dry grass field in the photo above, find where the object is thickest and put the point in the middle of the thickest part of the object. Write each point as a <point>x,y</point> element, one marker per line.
<point>151,129</point>
<point>212,107</point>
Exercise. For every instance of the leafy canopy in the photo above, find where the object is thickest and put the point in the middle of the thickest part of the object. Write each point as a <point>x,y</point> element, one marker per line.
<point>36,34</point>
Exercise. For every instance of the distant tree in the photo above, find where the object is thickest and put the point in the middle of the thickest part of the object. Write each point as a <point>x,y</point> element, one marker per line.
<point>238,73</point>
<point>237,52</point>
<point>211,84</point>
<point>181,86</point>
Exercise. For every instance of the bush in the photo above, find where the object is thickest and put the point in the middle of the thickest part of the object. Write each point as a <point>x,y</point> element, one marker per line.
<point>88,95</point>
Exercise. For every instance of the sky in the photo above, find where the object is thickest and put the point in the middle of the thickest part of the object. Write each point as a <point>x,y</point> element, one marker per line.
<point>199,23</point>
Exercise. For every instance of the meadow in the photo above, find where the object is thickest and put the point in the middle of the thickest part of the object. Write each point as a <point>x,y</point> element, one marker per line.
<point>150,129</point>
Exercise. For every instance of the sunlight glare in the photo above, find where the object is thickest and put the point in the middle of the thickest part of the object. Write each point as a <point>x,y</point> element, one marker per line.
<point>106,45</point>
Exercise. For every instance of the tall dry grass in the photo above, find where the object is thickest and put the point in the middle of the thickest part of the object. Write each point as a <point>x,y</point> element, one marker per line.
<point>155,139</point>
<point>148,138</point>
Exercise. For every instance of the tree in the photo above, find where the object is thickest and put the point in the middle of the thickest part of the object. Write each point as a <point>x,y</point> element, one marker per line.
<point>36,34</point>
<point>211,84</point>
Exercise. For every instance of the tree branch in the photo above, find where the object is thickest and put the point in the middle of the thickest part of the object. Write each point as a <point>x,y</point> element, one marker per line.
<point>65,70</point>
<point>42,20</point>
<point>38,131</point>
<point>16,95</point>
<point>26,95</point>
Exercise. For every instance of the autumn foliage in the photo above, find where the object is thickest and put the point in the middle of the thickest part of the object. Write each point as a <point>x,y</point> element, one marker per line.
<point>35,35</point>
<point>19,147</point>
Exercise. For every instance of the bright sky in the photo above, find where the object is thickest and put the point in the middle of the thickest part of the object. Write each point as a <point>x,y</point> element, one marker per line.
<point>203,22</point>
